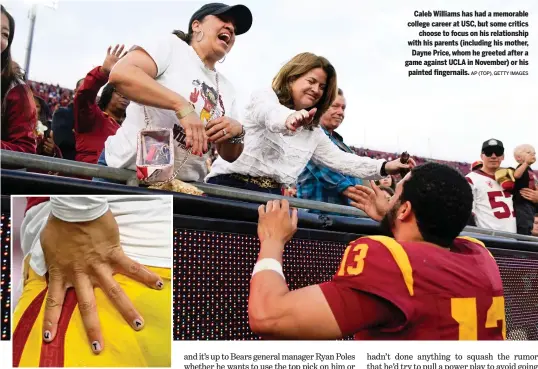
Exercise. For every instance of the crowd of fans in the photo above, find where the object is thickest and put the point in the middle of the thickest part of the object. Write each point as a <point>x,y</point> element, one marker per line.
<point>248,153</point>
<point>54,96</point>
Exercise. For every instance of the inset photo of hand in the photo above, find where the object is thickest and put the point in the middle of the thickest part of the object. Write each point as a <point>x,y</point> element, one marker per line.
<point>91,281</point>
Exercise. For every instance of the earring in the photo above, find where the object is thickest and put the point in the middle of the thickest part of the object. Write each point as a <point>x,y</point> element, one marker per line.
<point>222,60</point>
<point>198,39</point>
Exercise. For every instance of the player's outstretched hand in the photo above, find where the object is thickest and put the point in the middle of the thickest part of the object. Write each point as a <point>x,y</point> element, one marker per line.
<point>85,255</point>
<point>372,201</point>
<point>276,222</point>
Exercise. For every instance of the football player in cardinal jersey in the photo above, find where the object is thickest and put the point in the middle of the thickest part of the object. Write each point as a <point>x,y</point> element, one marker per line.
<point>426,283</point>
<point>492,207</point>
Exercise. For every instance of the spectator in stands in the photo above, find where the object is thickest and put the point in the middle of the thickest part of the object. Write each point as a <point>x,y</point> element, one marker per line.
<point>493,207</point>
<point>385,288</point>
<point>18,110</point>
<point>388,181</point>
<point>525,209</point>
<point>123,289</point>
<point>41,114</point>
<point>283,133</point>
<point>176,84</point>
<point>318,182</point>
<point>95,122</point>
<point>476,165</point>
<point>44,137</point>
<point>63,125</point>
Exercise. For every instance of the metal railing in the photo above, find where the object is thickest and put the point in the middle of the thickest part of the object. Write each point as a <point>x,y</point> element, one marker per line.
<point>69,167</point>
<point>74,168</point>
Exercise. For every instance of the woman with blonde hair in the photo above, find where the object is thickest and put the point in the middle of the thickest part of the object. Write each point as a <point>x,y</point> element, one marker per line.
<point>283,133</point>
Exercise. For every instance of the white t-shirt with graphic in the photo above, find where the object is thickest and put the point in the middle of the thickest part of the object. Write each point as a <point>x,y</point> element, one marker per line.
<point>180,69</point>
<point>492,206</point>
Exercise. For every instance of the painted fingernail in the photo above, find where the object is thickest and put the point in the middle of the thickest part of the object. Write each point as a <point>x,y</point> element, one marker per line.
<point>96,347</point>
<point>159,284</point>
<point>138,324</point>
<point>47,336</point>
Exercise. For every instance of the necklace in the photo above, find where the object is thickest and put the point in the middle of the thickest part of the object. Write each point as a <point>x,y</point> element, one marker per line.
<point>215,113</point>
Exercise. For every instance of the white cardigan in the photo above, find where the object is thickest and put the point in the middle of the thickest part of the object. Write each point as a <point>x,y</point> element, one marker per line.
<point>271,150</point>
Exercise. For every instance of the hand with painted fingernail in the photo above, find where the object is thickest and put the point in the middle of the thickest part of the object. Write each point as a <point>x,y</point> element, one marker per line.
<point>300,118</point>
<point>86,255</point>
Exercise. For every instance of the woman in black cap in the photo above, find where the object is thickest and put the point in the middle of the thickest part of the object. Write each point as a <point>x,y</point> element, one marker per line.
<point>175,84</point>
<point>18,109</point>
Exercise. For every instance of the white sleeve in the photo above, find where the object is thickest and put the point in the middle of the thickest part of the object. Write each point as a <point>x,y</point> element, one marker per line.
<point>473,189</point>
<point>329,155</point>
<point>78,209</point>
<point>265,109</point>
<point>160,51</point>
<point>234,112</point>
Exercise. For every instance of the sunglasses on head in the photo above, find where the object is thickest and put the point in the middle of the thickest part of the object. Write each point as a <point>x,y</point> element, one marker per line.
<point>498,151</point>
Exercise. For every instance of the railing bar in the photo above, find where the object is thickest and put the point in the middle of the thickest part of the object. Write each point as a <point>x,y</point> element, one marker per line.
<point>75,168</point>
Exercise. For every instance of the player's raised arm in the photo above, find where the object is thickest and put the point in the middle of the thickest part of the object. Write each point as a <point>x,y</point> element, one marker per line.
<point>313,312</point>
<point>273,310</point>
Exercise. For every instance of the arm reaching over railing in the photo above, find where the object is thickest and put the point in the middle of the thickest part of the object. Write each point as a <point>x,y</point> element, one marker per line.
<point>134,76</point>
<point>265,108</point>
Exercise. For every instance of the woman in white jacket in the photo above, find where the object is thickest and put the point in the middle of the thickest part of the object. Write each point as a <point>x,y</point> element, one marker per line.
<point>283,133</point>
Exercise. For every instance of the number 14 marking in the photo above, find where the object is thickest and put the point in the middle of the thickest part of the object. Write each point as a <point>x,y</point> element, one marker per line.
<point>465,313</point>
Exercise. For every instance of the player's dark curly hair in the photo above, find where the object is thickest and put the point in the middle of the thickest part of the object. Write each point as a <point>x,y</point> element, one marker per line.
<point>442,201</point>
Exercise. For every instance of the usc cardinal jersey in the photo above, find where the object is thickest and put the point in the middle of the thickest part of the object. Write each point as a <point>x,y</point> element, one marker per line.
<point>442,294</point>
<point>492,206</point>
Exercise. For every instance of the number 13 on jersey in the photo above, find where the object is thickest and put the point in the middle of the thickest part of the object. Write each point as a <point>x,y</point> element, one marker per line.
<point>359,254</point>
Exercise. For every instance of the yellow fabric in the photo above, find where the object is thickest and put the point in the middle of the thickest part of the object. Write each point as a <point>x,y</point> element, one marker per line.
<point>505,175</point>
<point>400,257</point>
<point>123,346</point>
<point>205,115</point>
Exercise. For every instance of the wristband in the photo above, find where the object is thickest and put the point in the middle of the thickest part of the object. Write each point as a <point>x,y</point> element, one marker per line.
<point>383,172</point>
<point>268,264</point>
<point>183,112</point>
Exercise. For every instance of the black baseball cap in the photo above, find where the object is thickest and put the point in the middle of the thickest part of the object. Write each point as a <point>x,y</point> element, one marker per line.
<point>492,142</point>
<point>239,13</point>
